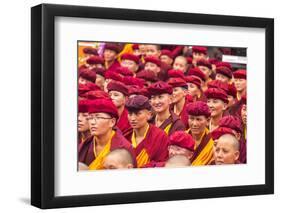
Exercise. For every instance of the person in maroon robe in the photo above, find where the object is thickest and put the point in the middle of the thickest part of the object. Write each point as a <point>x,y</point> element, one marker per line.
<point>95,62</point>
<point>83,125</point>
<point>110,55</point>
<point>194,88</point>
<point>198,53</point>
<point>130,61</point>
<point>118,93</point>
<point>240,81</point>
<point>102,119</point>
<point>166,57</point>
<point>223,73</point>
<point>160,93</point>
<point>86,75</point>
<point>150,142</point>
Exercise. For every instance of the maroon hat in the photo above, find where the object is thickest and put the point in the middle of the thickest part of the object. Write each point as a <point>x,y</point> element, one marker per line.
<point>92,86</point>
<point>99,71</point>
<point>95,60</point>
<point>198,49</point>
<point>224,71</point>
<point>83,105</point>
<point>198,108</point>
<point>197,72</point>
<point>175,74</point>
<point>183,140</point>
<point>213,61</point>
<point>216,93</point>
<point>111,46</point>
<point>232,90</point>
<point>87,74</point>
<point>218,84</point>
<point>189,60</point>
<point>82,89</point>
<point>129,80</point>
<point>153,60</point>
<point>160,87</point>
<point>167,53</point>
<point>124,71</point>
<point>177,82</point>
<point>194,80</point>
<point>103,105</point>
<point>137,102</point>
<point>218,132</point>
<point>231,122</point>
<point>117,86</point>
<point>130,57</point>
<point>224,64</point>
<point>135,46</point>
<point>98,94</point>
<point>147,75</point>
<point>90,50</point>
<point>204,63</point>
<point>113,75</point>
<point>241,74</point>
<point>134,90</point>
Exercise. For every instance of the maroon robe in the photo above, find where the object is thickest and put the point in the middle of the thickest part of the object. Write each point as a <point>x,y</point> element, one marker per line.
<point>123,123</point>
<point>156,145</point>
<point>86,151</point>
<point>113,66</point>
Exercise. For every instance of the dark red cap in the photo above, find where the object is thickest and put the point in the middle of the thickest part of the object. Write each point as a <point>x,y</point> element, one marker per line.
<point>130,57</point>
<point>216,93</point>
<point>95,60</point>
<point>147,75</point>
<point>224,71</point>
<point>183,140</point>
<point>98,94</point>
<point>218,84</point>
<point>128,80</point>
<point>135,46</point>
<point>138,102</point>
<point>189,60</point>
<point>117,86</point>
<point>82,89</point>
<point>177,82</point>
<point>112,46</point>
<point>197,72</point>
<point>83,105</point>
<point>113,75</point>
<point>224,64</point>
<point>218,132</point>
<point>153,60</point>
<point>160,87</point>
<point>231,122</point>
<point>99,71</point>
<point>194,80</point>
<point>213,61</point>
<point>175,74</point>
<point>87,74</point>
<point>167,53</point>
<point>198,108</point>
<point>124,71</point>
<point>198,49</point>
<point>90,50</point>
<point>232,90</point>
<point>241,74</point>
<point>103,105</point>
<point>92,86</point>
<point>204,63</point>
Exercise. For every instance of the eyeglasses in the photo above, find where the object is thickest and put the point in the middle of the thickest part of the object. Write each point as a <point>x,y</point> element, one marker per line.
<point>97,118</point>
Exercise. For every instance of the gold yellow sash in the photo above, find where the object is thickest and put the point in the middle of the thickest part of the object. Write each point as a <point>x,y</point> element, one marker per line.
<point>167,129</point>
<point>205,156</point>
<point>98,162</point>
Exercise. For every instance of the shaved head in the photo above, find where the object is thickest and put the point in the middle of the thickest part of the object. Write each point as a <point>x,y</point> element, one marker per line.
<point>178,161</point>
<point>118,159</point>
<point>231,139</point>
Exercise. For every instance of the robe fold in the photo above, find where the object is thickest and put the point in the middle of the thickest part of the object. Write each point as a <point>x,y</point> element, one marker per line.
<point>123,123</point>
<point>113,66</point>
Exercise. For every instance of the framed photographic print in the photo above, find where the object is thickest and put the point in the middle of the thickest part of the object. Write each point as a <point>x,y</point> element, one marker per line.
<point>139,106</point>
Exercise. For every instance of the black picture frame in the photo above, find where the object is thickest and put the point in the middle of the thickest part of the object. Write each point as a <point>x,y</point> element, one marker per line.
<point>43,105</point>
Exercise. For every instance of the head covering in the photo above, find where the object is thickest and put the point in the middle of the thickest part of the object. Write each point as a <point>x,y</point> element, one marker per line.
<point>232,90</point>
<point>218,132</point>
<point>117,86</point>
<point>92,86</point>
<point>177,82</point>
<point>216,93</point>
<point>153,60</point>
<point>147,75</point>
<point>82,89</point>
<point>104,106</point>
<point>224,64</point>
<point>159,88</point>
<point>90,50</point>
<point>124,71</point>
<point>198,108</point>
<point>87,74</point>
<point>204,63</point>
<point>198,49</point>
<point>137,102</point>
<point>241,74</point>
<point>196,72</point>
<point>98,94</point>
<point>134,90</point>
<point>113,75</point>
<point>218,84</point>
<point>189,60</point>
<point>130,57</point>
<point>135,46</point>
<point>231,122</point>
<point>167,53</point>
<point>224,71</point>
<point>112,46</point>
<point>213,61</point>
<point>99,71</point>
<point>175,74</point>
<point>182,139</point>
<point>83,105</point>
<point>194,80</point>
<point>95,60</point>
<point>129,80</point>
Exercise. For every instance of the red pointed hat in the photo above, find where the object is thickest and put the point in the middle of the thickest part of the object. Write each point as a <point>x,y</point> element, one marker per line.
<point>194,80</point>
<point>153,60</point>
<point>117,86</point>
<point>83,105</point>
<point>241,74</point>
<point>198,108</point>
<point>182,139</point>
<point>231,122</point>
<point>216,93</point>
<point>95,60</point>
<point>147,75</point>
<point>220,131</point>
<point>167,53</point>
<point>87,74</point>
<point>204,63</point>
<point>90,50</point>
<point>103,105</point>
<point>177,82</point>
<point>224,71</point>
<point>159,88</point>
<point>130,57</point>
<point>175,74</point>
<point>198,49</point>
<point>197,72</point>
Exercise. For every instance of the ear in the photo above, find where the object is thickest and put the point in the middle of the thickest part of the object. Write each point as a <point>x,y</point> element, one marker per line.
<point>224,106</point>
<point>236,154</point>
<point>113,122</point>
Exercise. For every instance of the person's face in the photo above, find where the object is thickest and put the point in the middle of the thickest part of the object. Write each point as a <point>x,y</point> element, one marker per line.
<point>205,70</point>
<point>244,114</point>
<point>176,150</point>
<point>197,124</point>
<point>100,123</point>
<point>224,152</point>
<point>100,81</point>
<point>138,119</point>
<point>216,106</point>
<point>137,52</point>
<point>109,55</point>
<point>160,103</point>
<point>180,64</point>
<point>83,124</point>
<point>92,66</point>
<point>151,66</point>
<point>198,56</point>
<point>114,162</point>
<point>117,98</point>
<point>166,59</point>
<point>179,93</point>
<point>222,78</point>
<point>240,84</point>
<point>151,50</point>
<point>142,48</point>
<point>82,80</point>
<point>192,90</point>
<point>131,65</point>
